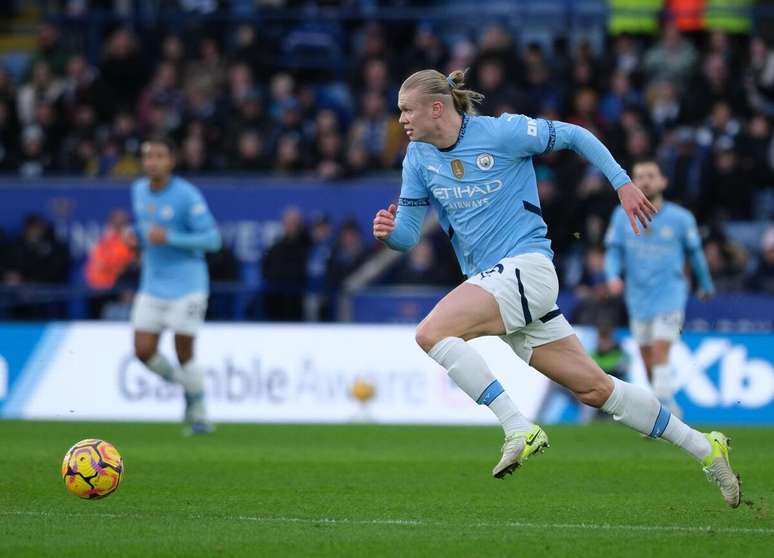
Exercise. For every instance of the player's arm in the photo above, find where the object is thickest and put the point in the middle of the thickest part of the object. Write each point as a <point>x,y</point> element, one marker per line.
<point>614,256</point>
<point>203,232</point>
<point>400,227</point>
<point>696,259</point>
<point>538,136</point>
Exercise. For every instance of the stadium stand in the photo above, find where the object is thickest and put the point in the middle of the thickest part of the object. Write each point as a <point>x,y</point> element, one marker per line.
<point>304,97</point>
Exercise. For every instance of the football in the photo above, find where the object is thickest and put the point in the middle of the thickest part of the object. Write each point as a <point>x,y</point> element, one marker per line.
<point>92,469</point>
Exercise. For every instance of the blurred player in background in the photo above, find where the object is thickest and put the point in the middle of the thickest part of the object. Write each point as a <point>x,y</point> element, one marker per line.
<point>477,173</point>
<point>653,265</point>
<point>175,228</point>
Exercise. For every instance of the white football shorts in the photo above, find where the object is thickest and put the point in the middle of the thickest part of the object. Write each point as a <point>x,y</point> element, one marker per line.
<point>664,327</point>
<point>526,287</point>
<point>183,315</point>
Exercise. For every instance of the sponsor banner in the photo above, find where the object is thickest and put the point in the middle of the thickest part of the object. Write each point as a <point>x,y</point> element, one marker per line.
<point>265,373</point>
<point>306,373</point>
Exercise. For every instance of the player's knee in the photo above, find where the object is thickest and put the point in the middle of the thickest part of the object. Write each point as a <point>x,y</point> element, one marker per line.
<point>426,337</point>
<point>597,393</point>
<point>184,356</point>
<point>143,351</point>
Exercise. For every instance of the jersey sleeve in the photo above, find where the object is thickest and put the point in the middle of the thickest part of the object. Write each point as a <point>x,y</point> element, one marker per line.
<point>137,226</point>
<point>199,216</point>
<point>692,246</point>
<point>614,246</point>
<point>691,238</point>
<point>412,207</point>
<point>202,233</point>
<point>588,146</point>
<point>526,137</point>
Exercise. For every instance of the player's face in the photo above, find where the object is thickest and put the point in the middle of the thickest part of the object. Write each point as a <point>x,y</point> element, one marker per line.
<point>157,160</point>
<point>416,114</point>
<point>648,178</point>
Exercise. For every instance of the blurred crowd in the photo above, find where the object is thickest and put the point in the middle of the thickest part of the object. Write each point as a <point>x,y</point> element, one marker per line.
<point>703,103</point>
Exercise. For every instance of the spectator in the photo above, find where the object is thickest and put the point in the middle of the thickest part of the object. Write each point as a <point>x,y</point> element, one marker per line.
<point>726,193</point>
<point>672,59</point>
<point>34,161</point>
<point>594,303</point>
<point>621,95</point>
<point>759,81</point>
<point>284,270</point>
<point>122,71</point>
<point>43,87</point>
<point>349,253</point>
<point>109,258</point>
<point>163,92</point>
<point>317,304</point>
<point>50,49</point>
<point>37,256</point>
<point>727,262</point>
<point>427,51</point>
<point>762,279</point>
<point>420,267</point>
<point>9,137</point>
<point>250,152</point>
<point>330,150</point>
<point>378,132</point>
<point>756,152</point>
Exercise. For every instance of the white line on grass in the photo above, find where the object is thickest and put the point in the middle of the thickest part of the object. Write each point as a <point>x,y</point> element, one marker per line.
<point>423,523</point>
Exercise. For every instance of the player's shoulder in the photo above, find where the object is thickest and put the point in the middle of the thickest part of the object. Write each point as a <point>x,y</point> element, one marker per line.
<point>416,153</point>
<point>677,212</point>
<point>184,188</point>
<point>140,184</point>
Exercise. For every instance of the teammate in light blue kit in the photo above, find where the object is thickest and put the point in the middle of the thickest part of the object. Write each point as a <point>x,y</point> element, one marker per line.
<point>656,287</point>
<point>477,173</point>
<point>175,228</point>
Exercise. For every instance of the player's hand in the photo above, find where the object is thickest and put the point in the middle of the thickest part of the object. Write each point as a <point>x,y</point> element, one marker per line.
<point>384,222</point>
<point>129,237</point>
<point>615,286</point>
<point>157,235</point>
<point>636,206</point>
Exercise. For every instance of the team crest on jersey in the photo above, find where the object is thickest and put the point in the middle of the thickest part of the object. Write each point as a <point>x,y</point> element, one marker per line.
<point>151,207</point>
<point>167,212</point>
<point>666,233</point>
<point>457,168</point>
<point>485,161</point>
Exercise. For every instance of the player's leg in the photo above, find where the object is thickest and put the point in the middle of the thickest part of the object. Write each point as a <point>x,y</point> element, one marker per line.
<point>647,360</point>
<point>186,317</point>
<point>148,322</point>
<point>465,313</point>
<point>566,362</point>
<point>666,330</point>
<point>469,311</point>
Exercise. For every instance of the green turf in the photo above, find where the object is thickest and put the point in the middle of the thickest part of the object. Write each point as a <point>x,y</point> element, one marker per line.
<point>371,491</point>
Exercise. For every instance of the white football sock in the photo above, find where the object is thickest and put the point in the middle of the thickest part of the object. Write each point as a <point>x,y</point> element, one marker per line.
<point>662,382</point>
<point>470,372</point>
<point>639,409</point>
<point>192,379</point>
<point>159,364</point>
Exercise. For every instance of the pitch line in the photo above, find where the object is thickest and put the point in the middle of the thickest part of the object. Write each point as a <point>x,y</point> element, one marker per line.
<point>425,523</point>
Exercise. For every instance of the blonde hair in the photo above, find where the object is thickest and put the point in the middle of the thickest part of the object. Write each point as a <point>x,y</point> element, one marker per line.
<point>433,82</point>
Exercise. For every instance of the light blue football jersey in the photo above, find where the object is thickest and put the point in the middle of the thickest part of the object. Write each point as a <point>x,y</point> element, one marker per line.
<point>484,187</point>
<point>653,264</point>
<point>177,268</point>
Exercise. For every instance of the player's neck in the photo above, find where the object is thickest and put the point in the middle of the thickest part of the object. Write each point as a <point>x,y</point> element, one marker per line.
<point>658,202</point>
<point>157,184</point>
<point>448,131</point>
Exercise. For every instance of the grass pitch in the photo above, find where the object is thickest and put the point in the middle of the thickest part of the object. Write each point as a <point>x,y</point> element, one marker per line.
<point>251,490</point>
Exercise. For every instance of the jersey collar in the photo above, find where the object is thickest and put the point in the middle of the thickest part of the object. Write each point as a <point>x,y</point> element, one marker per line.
<point>463,126</point>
